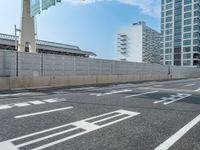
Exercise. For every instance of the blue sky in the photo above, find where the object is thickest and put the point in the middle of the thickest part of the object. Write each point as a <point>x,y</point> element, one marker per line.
<point>92,25</point>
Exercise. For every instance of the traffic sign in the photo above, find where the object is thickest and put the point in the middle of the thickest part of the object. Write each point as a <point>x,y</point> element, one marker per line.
<point>35,7</point>
<point>47,3</point>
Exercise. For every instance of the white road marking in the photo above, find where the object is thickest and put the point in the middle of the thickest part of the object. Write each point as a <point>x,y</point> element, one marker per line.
<point>36,102</point>
<point>151,92</point>
<point>85,126</point>
<point>54,100</point>
<point>112,92</point>
<point>29,103</point>
<point>172,98</point>
<point>188,85</point>
<point>174,138</point>
<point>17,94</point>
<point>197,90</point>
<point>5,107</point>
<point>43,112</point>
<point>22,104</point>
<point>84,88</point>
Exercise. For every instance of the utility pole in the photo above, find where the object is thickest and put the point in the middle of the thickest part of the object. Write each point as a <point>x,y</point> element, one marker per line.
<point>27,35</point>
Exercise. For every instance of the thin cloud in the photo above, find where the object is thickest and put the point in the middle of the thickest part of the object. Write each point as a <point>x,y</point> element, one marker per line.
<point>147,7</point>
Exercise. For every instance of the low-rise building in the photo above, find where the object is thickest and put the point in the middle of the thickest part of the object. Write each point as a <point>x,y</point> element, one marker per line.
<point>8,42</point>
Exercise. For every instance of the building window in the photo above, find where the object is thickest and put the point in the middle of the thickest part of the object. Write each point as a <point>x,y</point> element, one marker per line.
<point>186,49</point>
<point>187,28</point>
<point>168,62</point>
<point>188,8</point>
<point>187,2</point>
<point>169,6</point>
<point>187,22</point>
<point>186,62</point>
<point>168,19</point>
<point>187,42</point>
<point>187,15</point>
<point>169,12</point>
<point>186,56</point>
<point>187,35</point>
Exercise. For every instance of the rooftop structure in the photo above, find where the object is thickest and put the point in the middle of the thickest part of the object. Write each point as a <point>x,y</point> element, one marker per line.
<point>8,42</point>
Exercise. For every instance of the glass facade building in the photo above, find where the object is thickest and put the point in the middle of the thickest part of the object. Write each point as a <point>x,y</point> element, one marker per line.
<point>180,32</point>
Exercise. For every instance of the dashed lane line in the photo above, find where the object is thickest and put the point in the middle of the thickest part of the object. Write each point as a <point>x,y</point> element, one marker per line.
<point>43,112</point>
<point>197,90</point>
<point>29,103</point>
<point>188,85</point>
<point>151,92</point>
<point>110,93</point>
<point>80,127</point>
<point>16,94</point>
<point>178,135</point>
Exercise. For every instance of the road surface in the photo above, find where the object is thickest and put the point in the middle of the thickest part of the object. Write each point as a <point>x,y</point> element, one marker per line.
<point>153,115</point>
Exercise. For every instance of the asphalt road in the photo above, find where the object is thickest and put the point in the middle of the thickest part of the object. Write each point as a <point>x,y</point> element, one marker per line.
<point>152,115</point>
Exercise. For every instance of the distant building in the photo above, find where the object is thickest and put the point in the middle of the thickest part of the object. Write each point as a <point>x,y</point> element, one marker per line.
<point>180,29</point>
<point>8,42</point>
<point>138,43</point>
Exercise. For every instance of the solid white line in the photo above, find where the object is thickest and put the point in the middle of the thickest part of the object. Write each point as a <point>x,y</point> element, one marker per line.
<point>174,138</point>
<point>43,112</point>
<point>187,85</point>
<point>151,92</point>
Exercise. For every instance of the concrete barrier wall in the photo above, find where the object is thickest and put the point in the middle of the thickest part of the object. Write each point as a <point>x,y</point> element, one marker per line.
<point>30,64</point>
<point>22,70</point>
<point>8,83</point>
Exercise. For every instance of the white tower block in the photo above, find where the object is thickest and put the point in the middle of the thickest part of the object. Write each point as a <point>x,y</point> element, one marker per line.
<point>27,34</point>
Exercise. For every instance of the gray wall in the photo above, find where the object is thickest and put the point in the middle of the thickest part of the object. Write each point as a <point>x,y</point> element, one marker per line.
<point>30,64</point>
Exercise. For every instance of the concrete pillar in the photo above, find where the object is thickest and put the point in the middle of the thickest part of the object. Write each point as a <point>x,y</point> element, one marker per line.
<point>27,34</point>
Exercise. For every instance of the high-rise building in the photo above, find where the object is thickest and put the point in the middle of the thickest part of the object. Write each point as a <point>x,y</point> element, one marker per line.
<point>138,43</point>
<point>180,32</point>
